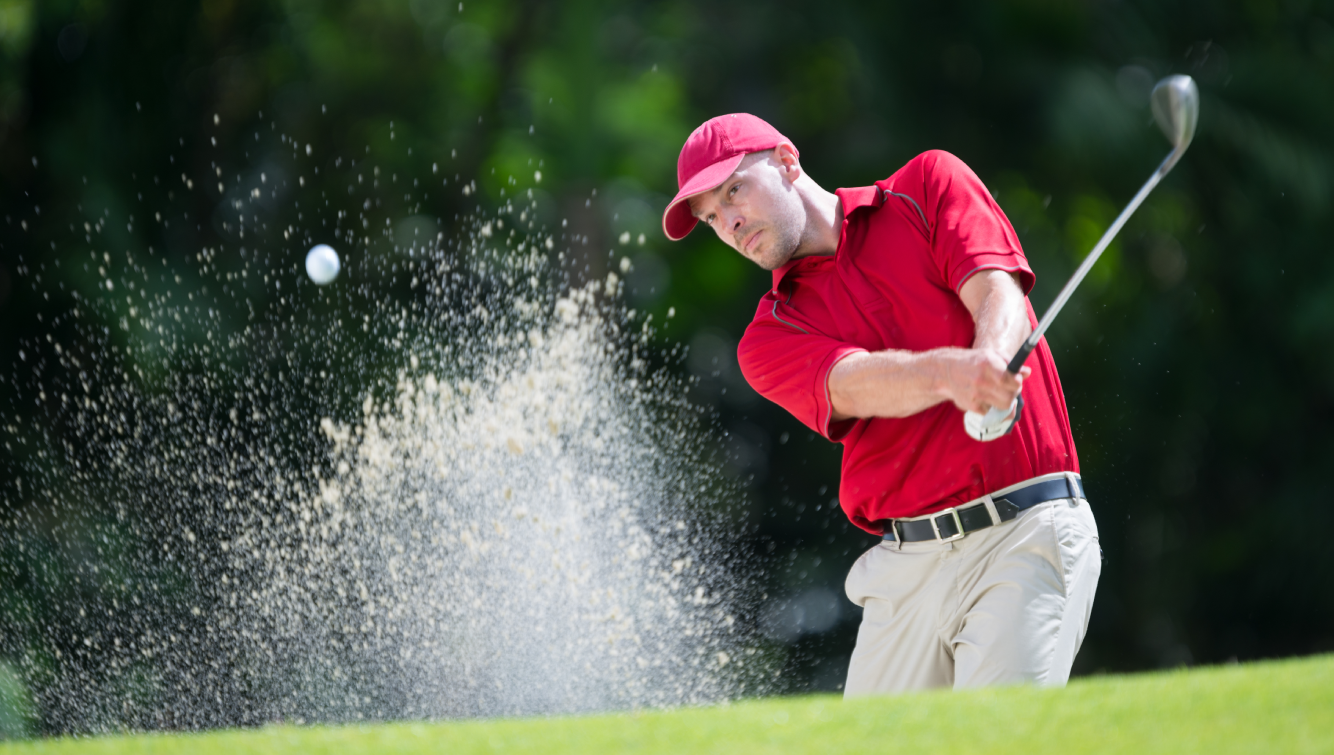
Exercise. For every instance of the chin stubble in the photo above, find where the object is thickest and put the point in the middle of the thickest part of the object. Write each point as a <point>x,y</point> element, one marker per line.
<point>786,240</point>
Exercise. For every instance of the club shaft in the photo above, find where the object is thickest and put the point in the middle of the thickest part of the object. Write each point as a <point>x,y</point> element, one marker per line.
<point>1084,267</point>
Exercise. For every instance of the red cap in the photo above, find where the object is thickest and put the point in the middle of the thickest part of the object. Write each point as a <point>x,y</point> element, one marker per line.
<point>709,156</point>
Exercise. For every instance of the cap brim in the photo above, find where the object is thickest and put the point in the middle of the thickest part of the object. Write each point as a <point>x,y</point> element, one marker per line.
<point>677,220</point>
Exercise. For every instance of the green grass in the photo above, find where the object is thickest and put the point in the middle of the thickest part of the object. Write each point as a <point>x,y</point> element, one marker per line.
<point>1277,707</point>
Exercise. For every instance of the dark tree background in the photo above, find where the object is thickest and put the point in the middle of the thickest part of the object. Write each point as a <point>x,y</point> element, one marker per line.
<point>1196,359</point>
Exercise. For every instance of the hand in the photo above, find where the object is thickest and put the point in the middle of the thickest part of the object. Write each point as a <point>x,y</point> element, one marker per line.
<point>976,379</point>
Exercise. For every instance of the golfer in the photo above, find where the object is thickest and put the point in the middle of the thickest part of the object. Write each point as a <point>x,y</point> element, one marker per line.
<point>894,309</point>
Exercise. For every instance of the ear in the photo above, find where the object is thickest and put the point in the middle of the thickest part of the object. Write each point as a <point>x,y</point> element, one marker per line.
<point>786,156</point>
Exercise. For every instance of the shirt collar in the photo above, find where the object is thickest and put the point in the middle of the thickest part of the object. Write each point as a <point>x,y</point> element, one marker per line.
<point>852,199</point>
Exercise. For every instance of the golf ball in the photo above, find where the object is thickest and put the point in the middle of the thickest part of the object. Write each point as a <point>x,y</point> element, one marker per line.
<point>322,264</point>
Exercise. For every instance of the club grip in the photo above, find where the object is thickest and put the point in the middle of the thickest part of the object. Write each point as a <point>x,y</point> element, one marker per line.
<point>1021,357</point>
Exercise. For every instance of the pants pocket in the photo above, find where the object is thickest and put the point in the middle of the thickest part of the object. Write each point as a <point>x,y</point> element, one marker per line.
<point>860,583</point>
<point>1077,538</point>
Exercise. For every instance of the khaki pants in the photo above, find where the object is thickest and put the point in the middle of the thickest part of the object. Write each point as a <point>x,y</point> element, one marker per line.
<point>1006,604</point>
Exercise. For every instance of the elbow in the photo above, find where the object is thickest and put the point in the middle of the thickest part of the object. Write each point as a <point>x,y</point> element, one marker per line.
<point>841,408</point>
<point>839,383</point>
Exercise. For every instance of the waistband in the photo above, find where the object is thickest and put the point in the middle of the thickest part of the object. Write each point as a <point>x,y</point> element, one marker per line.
<point>989,510</point>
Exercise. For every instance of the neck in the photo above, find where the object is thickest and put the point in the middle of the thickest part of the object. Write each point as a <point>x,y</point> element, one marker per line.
<point>824,220</point>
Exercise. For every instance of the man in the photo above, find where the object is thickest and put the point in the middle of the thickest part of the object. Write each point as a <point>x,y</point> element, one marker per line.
<point>894,309</point>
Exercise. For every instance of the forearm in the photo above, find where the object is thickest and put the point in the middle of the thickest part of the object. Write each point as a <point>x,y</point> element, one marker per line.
<point>1000,317</point>
<point>887,383</point>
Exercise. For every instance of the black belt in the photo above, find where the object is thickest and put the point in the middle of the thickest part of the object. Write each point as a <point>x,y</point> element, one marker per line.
<point>952,524</point>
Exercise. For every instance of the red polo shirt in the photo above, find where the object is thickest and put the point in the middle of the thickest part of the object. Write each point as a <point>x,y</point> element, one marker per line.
<point>908,244</point>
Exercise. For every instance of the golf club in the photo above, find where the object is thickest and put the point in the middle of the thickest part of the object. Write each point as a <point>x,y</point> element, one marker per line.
<point>1176,108</point>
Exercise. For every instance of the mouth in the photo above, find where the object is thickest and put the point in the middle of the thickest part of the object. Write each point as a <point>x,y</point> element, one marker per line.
<point>751,241</point>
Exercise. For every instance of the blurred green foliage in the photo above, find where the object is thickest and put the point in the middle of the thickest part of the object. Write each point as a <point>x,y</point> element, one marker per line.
<point>1196,359</point>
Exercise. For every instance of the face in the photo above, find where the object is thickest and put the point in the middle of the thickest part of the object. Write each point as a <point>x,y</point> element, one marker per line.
<point>757,211</point>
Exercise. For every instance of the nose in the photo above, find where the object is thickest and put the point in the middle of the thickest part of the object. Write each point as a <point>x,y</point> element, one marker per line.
<point>733,221</point>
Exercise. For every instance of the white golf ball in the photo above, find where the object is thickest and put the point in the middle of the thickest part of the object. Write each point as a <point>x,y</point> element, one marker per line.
<point>322,264</point>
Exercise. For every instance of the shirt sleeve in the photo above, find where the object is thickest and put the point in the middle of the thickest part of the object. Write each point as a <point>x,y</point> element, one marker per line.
<point>791,368</point>
<point>969,232</point>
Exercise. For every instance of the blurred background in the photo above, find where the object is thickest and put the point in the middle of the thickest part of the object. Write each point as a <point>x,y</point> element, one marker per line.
<point>1197,359</point>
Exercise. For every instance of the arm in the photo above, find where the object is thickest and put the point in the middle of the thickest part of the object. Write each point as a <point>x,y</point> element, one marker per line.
<point>1000,318</point>
<point>896,383</point>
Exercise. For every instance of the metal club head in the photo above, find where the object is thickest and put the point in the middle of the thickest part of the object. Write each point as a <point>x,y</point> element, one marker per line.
<point>1176,107</point>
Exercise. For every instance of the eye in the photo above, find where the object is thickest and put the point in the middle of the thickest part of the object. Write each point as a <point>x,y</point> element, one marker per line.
<point>709,220</point>
<point>734,189</point>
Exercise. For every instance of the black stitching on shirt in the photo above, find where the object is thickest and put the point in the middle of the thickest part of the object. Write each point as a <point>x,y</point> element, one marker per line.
<point>916,206</point>
<point>785,322</point>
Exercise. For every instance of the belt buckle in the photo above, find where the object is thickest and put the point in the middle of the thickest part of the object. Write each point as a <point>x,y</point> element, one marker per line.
<point>958,525</point>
